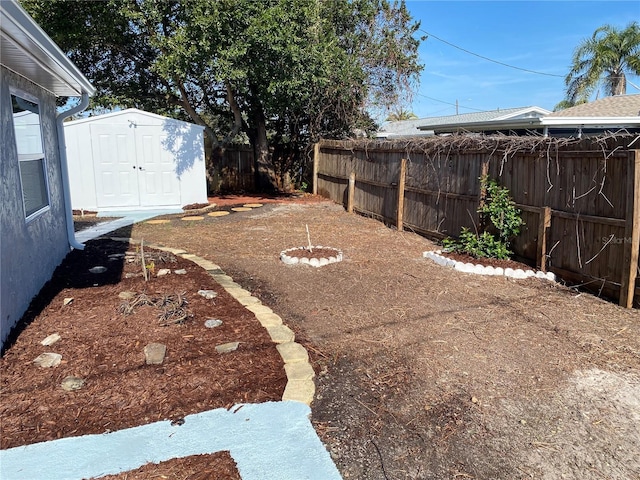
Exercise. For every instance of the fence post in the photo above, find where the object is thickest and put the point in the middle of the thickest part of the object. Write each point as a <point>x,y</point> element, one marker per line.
<point>401,180</point>
<point>631,239</point>
<point>316,159</point>
<point>352,191</point>
<point>544,223</point>
<point>482,195</point>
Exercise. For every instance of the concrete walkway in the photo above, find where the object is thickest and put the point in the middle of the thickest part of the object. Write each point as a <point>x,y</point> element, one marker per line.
<point>127,218</point>
<point>273,440</point>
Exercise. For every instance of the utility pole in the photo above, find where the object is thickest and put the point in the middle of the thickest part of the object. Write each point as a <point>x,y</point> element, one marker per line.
<point>456,106</point>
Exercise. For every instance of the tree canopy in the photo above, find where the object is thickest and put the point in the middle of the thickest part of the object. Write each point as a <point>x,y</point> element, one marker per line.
<point>604,59</point>
<point>280,73</point>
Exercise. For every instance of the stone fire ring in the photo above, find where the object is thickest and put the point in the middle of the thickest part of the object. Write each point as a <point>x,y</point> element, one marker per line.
<point>289,257</point>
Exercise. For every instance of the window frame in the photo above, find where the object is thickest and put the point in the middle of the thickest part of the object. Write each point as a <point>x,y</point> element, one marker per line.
<point>30,157</point>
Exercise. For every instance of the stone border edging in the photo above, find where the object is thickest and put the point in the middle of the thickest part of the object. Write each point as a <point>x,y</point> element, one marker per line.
<point>314,262</point>
<point>300,385</point>
<point>486,270</point>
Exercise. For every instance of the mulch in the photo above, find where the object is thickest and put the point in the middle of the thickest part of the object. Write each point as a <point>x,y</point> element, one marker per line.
<point>103,338</point>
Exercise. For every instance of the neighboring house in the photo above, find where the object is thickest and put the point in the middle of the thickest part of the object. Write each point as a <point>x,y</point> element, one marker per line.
<point>135,160</point>
<point>36,224</point>
<point>620,112</point>
<point>402,129</point>
<point>511,120</point>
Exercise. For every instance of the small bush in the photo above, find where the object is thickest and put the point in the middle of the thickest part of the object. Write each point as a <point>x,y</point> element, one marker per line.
<point>498,213</point>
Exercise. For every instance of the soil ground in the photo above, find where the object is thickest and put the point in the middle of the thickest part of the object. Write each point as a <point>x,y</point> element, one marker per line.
<point>428,373</point>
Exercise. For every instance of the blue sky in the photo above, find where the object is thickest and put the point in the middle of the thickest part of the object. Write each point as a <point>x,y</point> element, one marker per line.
<point>535,35</point>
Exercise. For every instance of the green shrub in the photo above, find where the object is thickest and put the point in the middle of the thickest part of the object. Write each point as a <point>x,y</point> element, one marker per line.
<point>499,213</point>
<point>500,210</point>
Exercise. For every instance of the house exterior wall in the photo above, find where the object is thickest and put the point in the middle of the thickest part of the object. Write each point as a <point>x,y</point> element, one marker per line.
<point>182,141</point>
<point>29,250</point>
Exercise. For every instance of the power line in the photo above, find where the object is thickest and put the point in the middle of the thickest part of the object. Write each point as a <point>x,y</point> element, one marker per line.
<point>490,59</point>
<point>449,103</point>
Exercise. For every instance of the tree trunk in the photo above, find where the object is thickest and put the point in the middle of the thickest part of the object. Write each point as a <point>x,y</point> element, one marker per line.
<point>265,176</point>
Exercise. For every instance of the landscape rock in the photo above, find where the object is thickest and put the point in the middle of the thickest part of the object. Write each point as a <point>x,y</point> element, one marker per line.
<point>98,269</point>
<point>181,271</point>
<point>51,339</point>
<point>164,271</point>
<point>227,347</point>
<point>154,353</point>
<point>208,294</point>
<point>67,301</point>
<point>126,295</point>
<point>212,322</point>
<point>72,383</point>
<point>47,360</point>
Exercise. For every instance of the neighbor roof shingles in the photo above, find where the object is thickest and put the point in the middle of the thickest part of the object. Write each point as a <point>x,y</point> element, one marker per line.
<point>616,106</point>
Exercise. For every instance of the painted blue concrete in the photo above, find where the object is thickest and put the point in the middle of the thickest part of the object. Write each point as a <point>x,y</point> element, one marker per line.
<point>274,440</point>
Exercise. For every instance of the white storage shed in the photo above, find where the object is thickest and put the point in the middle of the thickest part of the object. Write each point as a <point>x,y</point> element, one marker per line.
<point>135,160</point>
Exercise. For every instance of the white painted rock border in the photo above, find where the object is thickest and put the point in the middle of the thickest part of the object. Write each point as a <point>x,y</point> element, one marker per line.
<point>289,257</point>
<point>486,270</point>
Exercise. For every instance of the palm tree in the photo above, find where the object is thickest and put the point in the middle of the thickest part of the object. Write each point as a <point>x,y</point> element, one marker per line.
<point>401,114</point>
<point>603,59</point>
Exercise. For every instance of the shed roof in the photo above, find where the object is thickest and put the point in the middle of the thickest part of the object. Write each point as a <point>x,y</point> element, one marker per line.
<point>27,50</point>
<point>118,115</point>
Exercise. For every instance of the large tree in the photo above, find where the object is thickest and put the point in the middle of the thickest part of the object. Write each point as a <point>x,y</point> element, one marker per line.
<point>282,73</point>
<point>604,60</point>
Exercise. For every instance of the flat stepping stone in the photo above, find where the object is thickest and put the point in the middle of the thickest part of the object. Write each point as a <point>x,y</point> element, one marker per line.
<point>50,340</point>
<point>241,209</point>
<point>72,383</point>
<point>158,221</point>
<point>193,218</point>
<point>220,213</point>
<point>227,347</point>
<point>154,353</point>
<point>48,360</point>
<point>252,205</point>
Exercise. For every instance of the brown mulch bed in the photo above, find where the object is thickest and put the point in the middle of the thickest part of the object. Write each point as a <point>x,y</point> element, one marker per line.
<point>218,466</point>
<point>103,338</point>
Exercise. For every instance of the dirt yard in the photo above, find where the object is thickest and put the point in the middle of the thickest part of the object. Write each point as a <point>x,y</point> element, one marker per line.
<point>427,373</point>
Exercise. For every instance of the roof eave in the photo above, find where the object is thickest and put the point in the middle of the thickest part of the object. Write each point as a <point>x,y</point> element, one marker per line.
<point>480,126</point>
<point>581,121</point>
<point>28,51</point>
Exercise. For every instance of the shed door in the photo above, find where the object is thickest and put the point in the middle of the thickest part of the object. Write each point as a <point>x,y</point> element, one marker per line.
<point>116,172</point>
<point>134,166</point>
<point>157,179</point>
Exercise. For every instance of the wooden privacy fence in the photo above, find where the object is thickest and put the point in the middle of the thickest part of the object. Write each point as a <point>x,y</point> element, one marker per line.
<point>580,199</point>
<point>232,170</point>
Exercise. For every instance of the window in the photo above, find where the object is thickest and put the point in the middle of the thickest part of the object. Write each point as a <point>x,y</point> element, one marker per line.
<point>26,123</point>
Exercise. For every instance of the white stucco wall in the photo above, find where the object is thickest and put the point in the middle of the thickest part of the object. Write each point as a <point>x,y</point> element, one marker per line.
<point>29,250</point>
<point>181,141</point>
